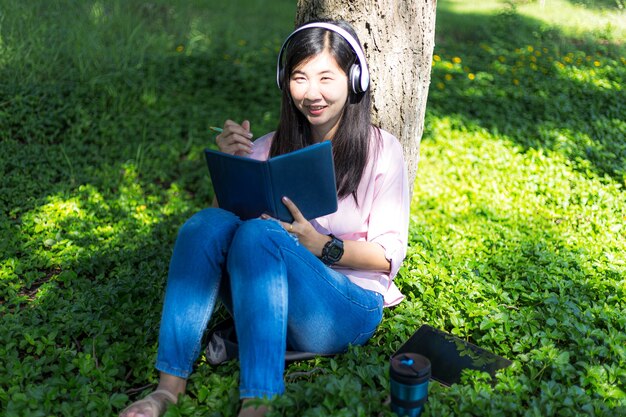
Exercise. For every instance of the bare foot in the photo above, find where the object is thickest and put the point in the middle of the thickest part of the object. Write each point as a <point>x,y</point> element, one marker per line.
<point>154,405</point>
<point>251,411</point>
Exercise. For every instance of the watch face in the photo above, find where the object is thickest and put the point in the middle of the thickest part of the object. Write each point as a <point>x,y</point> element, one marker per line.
<point>334,252</point>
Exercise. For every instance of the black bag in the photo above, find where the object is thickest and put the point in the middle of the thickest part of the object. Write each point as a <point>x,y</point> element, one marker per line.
<point>222,345</point>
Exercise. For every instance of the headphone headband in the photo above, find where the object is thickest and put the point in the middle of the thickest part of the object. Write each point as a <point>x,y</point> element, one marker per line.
<point>360,84</point>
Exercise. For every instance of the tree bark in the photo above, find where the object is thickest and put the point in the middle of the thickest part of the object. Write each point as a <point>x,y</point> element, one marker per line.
<point>398,38</point>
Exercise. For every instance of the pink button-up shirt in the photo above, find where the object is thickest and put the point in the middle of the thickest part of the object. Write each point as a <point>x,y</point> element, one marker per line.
<point>381,216</point>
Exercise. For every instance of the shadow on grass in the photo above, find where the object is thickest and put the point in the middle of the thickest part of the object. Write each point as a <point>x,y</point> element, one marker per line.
<point>155,117</point>
<point>517,77</point>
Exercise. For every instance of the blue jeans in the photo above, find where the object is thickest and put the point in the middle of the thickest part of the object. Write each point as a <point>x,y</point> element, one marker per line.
<point>280,295</point>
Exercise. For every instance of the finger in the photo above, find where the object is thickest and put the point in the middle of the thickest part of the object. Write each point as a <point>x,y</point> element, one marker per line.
<point>239,129</point>
<point>228,136</point>
<point>246,125</point>
<point>287,226</point>
<point>230,142</point>
<point>293,209</point>
<point>234,147</point>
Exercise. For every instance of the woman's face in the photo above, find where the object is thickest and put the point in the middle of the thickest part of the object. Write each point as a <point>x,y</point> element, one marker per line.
<point>319,89</point>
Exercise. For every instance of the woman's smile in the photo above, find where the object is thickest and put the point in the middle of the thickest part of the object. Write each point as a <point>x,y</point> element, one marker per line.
<point>316,110</point>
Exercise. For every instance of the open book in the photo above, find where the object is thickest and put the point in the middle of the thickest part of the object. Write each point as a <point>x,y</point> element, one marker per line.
<point>249,188</point>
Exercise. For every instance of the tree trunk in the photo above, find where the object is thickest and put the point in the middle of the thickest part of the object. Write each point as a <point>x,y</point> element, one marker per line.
<point>398,37</point>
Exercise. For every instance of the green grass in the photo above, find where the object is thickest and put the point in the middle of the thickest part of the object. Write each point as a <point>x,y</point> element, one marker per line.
<point>517,238</point>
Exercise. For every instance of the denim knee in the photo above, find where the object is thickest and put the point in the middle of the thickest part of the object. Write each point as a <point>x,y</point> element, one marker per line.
<point>255,234</point>
<point>208,226</point>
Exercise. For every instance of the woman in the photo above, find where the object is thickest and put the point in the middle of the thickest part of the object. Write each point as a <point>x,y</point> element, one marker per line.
<point>316,286</point>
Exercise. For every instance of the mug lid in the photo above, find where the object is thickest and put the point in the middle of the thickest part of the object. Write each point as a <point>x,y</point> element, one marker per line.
<point>410,365</point>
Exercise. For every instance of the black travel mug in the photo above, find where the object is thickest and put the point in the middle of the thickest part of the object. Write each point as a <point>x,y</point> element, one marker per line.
<point>409,374</point>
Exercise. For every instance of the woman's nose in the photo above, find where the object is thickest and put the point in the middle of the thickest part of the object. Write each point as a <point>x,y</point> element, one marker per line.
<point>312,92</point>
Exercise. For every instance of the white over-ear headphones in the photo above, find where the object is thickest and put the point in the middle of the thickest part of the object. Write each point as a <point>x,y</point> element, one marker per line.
<point>359,75</point>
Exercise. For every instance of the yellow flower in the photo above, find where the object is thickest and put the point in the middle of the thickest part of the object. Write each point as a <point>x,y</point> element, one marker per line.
<point>456,60</point>
<point>533,59</point>
<point>515,81</point>
<point>436,57</point>
<point>448,77</point>
<point>180,48</point>
<point>471,76</point>
<point>441,85</point>
<point>596,63</point>
<point>567,59</point>
<point>529,48</point>
<point>501,59</point>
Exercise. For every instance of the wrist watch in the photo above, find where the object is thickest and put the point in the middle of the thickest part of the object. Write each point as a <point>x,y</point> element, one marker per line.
<point>332,251</point>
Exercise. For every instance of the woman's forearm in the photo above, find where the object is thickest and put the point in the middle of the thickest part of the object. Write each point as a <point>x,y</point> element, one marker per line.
<point>362,255</point>
<point>365,256</point>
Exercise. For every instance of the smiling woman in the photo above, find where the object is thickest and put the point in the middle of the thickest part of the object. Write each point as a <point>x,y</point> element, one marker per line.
<point>316,286</point>
<point>318,90</point>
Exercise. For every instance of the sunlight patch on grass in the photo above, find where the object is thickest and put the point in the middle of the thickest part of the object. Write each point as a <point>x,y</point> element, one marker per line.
<point>574,19</point>
<point>476,175</point>
<point>607,24</point>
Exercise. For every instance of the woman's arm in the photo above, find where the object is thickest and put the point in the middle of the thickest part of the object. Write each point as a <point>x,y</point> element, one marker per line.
<point>356,254</point>
<point>365,256</point>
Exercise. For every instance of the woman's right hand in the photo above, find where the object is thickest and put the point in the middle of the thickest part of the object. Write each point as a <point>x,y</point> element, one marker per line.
<point>235,138</point>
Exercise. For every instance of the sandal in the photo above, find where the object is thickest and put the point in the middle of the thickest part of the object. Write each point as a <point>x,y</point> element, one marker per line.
<point>151,405</point>
<point>251,410</point>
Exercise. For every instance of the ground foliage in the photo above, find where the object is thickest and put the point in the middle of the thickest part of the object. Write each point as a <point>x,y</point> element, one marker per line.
<point>517,229</point>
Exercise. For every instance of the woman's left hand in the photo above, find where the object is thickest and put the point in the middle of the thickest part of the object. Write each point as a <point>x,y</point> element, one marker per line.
<point>302,229</point>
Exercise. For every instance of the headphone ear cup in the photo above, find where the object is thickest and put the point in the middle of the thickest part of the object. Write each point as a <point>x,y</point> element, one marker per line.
<point>355,78</point>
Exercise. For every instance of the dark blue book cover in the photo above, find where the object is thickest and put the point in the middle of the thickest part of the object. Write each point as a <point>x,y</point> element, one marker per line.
<point>249,188</point>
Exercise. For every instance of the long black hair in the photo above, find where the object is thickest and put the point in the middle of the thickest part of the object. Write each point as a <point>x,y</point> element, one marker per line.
<point>351,142</point>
